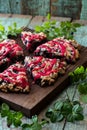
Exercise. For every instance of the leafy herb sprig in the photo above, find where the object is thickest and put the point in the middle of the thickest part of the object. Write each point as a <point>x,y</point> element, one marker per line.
<point>51,29</point>
<point>15,118</point>
<point>35,125</point>
<point>70,110</point>
<point>12,30</point>
<point>79,74</point>
<point>79,77</point>
<point>3,33</point>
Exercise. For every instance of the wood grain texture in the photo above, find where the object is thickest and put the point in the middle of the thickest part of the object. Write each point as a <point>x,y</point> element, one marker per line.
<point>82,22</point>
<point>37,20</point>
<point>10,6</point>
<point>66,8</point>
<point>35,7</point>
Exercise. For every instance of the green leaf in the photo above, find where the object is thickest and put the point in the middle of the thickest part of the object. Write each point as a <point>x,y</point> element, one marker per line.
<point>13,30</point>
<point>49,112</point>
<point>2,28</point>
<point>4,110</point>
<point>48,16</point>
<point>77,24</point>
<point>15,25</point>
<point>5,106</point>
<point>53,117</point>
<point>26,127</point>
<point>70,118</point>
<point>50,28</point>
<point>78,117</point>
<point>77,108</point>
<point>35,119</point>
<point>60,117</point>
<point>70,110</point>
<point>82,88</point>
<point>79,70</point>
<point>58,105</point>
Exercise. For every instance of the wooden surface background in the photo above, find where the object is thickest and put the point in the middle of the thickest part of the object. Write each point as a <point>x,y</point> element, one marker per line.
<point>77,9</point>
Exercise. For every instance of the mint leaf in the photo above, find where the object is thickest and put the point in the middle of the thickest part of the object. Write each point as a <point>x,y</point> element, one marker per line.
<point>70,110</point>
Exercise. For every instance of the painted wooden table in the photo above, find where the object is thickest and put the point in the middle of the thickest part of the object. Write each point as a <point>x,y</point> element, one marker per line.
<point>81,37</point>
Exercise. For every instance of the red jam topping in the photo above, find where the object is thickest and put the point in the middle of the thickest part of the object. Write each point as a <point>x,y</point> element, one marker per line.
<point>40,66</point>
<point>15,74</point>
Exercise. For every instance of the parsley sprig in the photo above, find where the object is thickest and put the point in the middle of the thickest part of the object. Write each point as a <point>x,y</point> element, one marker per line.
<point>52,30</point>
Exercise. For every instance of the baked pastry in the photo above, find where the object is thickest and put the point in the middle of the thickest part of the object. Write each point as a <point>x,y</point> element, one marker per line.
<point>32,40</point>
<point>9,52</point>
<point>44,71</point>
<point>58,48</point>
<point>14,79</point>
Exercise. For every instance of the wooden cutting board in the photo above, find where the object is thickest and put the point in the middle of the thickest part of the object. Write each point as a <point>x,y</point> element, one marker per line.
<point>32,103</point>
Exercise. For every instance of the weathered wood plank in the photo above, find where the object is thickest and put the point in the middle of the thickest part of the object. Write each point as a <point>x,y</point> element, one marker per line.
<point>66,8</point>
<point>37,20</point>
<point>35,7</point>
<point>10,6</point>
<point>81,34</point>
<point>82,22</point>
<point>59,18</point>
<point>9,19</point>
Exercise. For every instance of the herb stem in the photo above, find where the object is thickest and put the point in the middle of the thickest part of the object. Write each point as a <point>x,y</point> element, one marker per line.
<point>65,121</point>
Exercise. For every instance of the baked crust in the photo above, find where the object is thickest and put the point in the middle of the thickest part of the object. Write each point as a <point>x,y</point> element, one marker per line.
<point>44,71</point>
<point>10,52</point>
<point>32,40</point>
<point>59,48</point>
<point>14,79</point>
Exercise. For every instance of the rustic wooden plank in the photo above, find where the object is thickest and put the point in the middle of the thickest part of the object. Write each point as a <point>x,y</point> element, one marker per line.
<point>37,20</point>
<point>59,18</point>
<point>66,8</point>
<point>4,15</point>
<point>35,7</point>
<point>83,14</point>
<point>82,22</point>
<point>21,16</point>
<point>10,6</point>
<point>81,35</point>
<point>21,20</point>
<point>9,19</point>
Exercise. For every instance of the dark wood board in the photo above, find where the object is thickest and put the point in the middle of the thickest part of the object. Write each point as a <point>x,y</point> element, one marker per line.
<point>38,97</point>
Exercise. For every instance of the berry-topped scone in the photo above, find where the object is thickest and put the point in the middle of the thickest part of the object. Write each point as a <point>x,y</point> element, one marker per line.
<point>12,50</point>
<point>9,52</point>
<point>32,40</point>
<point>14,79</point>
<point>44,71</point>
<point>58,48</point>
